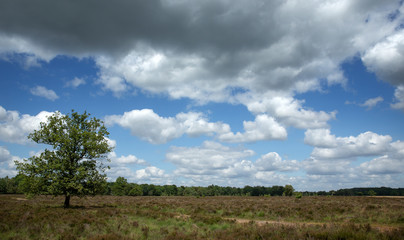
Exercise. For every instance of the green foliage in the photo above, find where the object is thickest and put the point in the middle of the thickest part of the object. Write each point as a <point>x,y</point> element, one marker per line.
<point>120,187</point>
<point>288,190</point>
<point>74,167</point>
<point>136,190</point>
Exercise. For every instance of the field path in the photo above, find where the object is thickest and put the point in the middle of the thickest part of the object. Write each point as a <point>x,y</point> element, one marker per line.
<point>381,228</point>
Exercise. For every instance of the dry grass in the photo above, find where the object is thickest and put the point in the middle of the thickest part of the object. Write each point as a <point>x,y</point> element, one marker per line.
<point>108,217</point>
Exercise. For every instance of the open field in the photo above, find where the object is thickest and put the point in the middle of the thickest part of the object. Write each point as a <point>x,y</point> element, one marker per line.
<point>109,217</point>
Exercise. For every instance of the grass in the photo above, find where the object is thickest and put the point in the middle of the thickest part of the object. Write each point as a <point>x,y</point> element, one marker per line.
<point>109,217</point>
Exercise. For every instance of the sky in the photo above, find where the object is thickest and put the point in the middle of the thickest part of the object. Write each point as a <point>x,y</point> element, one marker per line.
<point>232,93</point>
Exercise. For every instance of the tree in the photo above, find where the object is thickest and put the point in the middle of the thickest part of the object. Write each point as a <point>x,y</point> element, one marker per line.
<point>135,190</point>
<point>75,166</point>
<point>288,190</point>
<point>121,187</point>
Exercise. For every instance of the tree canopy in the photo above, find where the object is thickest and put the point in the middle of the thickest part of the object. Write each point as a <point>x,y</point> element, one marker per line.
<point>76,164</point>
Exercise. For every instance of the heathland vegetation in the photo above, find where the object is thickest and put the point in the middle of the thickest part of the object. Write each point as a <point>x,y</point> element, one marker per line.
<point>187,217</point>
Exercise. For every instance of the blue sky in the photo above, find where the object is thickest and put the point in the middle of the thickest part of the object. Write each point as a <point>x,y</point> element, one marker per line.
<point>231,93</point>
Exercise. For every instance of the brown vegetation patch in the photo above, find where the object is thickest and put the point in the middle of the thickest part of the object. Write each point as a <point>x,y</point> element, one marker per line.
<point>109,217</point>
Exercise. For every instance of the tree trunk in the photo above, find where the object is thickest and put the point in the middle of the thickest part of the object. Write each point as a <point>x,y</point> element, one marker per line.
<point>67,201</point>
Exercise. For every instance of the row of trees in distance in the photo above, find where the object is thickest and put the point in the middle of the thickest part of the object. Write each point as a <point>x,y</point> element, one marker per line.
<point>121,187</point>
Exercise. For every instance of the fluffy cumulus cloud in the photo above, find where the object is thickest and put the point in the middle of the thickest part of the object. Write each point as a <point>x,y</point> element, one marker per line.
<point>41,91</point>
<point>149,126</point>
<point>334,155</point>
<point>7,166</point>
<point>386,58</point>
<point>399,96</point>
<point>273,162</point>
<point>201,51</point>
<point>289,111</point>
<point>263,128</point>
<point>227,165</point>
<point>15,127</point>
<point>128,167</point>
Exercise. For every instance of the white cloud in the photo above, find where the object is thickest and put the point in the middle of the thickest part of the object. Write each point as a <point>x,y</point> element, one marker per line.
<point>195,124</point>
<point>215,163</point>
<point>14,127</point>
<point>75,82</point>
<point>150,174</point>
<point>386,58</point>
<point>263,128</point>
<point>210,156</point>
<point>41,91</point>
<point>334,155</point>
<point>370,103</point>
<point>383,165</point>
<point>399,96</point>
<point>273,162</point>
<point>4,154</point>
<point>124,160</point>
<point>289,111</point>
<point>320,138</point>
<point>365,144</point>
<point>149,126</point>
<point>314,166</point>
<point>7,165</point>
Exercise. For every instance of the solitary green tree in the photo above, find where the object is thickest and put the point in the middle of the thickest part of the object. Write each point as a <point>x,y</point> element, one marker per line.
<point>75,166</point>
<point>121,187</point>
<point>288,190</point>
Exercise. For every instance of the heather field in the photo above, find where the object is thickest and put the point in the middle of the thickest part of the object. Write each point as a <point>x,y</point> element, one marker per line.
<point>112,217</point>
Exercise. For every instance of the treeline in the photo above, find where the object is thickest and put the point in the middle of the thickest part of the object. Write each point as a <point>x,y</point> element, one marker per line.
<point>381,191</point>
<point>121,187</point>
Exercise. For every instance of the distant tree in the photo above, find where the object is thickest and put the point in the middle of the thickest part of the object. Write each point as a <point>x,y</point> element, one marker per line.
<point>371,193</point>
<point>135,190</point>
<point>121,187</point>
<point>288,190</point>
<point>74,167</point>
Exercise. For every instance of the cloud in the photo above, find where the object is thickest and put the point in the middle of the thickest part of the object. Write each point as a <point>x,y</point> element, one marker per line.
<point>4,154</point>
<point>320,138</point>
<point>7,166</point>
<point>334,155</point>
<point>210,156</point>
<point>383,165</point>
<point>41,91</point>
<point>370,103</point>
<point>14,128</point>
<point>124,160</point>
<point>75,82</point>
<point>399,96</point>
<point>386,58</point>
<point>214,162</point>
<point>365,144</point>
<point>202,51</point>
<point>289,111</point>
<point>155,129</point>
<point>273,162</point>
<point>263,128</point>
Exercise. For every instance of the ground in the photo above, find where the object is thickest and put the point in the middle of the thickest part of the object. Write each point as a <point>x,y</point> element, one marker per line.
<point>111,217</point>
